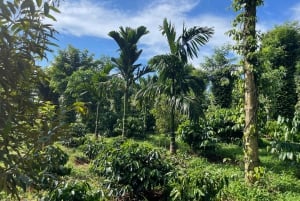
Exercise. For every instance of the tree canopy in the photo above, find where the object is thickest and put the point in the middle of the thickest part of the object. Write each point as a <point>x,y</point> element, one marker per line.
<point>24,126</point>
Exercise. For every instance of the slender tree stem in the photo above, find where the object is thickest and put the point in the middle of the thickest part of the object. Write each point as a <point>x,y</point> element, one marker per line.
<point>125,106</point>
<point>97,119</point>
<point>172,135</point>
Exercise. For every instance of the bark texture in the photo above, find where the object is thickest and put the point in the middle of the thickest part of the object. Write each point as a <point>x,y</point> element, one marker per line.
<point>251,158</point>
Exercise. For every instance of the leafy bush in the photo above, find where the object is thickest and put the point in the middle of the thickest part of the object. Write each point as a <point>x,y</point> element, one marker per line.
<point>131,169</point>
<point>284,139</point>
<point>219,124</point>
<point>74,141</point>
<point>91,148</point>
<point>227,124</point>
<point>200,136</point>
<point>49,165</point>
<point>78,129</point>
<point>190,133</point>
<point>161,113</point>
<point>42,169</point>
<point>196,185</point>
<point>134,127</point>
<point>72,191</point>
<point>76,135</point>
<point>108,123</point>
<point>286,150</point>
<point>270,128</point>
<point>55,159</point>
<point>239,191</point>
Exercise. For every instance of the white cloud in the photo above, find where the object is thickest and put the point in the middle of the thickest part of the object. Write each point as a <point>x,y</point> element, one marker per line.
<point>296,12</point>
<point>87,18</point>
<point>91,18</point>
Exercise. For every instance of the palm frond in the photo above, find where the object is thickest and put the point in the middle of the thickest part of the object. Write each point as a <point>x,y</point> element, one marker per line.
<point>117,37</point>
<point>142,71</point>
<point>191,39</point>
<point>140,31</point>
<point>149,90</point>
<point>168,30</point>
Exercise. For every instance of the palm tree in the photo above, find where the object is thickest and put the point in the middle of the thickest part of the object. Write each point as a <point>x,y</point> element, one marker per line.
<point>127,40</point>
<point>175,77</point>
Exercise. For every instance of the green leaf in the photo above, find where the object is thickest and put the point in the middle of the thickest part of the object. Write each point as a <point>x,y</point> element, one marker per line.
<point>46,8</point>
<point>16,28</point>
<point>290,155</point>
<point>51,17</point>
<point>28,4</point>
<point>53,8</point>
<point>39,3</point>
<point>282,156</point>
<point>80,107</point>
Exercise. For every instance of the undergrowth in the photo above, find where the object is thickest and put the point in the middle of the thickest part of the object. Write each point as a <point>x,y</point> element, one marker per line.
<point>278,180</point>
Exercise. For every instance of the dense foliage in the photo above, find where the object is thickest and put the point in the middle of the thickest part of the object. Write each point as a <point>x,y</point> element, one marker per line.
<point>26,123</point>
<point>221,72</point>
<point>131,169</point>
<point>134,170</point>
<point>50,165</point>
<point>90,129</point>
<point>72,191</point>
<point>196,185</point>
<point>279,52</point>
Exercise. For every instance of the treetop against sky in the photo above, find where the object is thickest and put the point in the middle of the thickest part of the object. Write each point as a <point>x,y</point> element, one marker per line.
<point>85,24</point>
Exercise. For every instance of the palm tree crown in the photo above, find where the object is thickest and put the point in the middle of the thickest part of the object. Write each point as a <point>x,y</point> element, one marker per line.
<point>187,44</point>
<point>127,39</point>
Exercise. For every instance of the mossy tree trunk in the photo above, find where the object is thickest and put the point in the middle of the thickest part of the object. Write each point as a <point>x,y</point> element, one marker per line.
<point>250,138</point>
<point>247,45</point>
<point>251,159</point>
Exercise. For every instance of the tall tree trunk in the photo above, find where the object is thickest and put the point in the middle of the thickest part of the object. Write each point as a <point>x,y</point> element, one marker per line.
<point>97,119</point>
<point>250,138</point>
<point>144,108</point>
<point>125,107</point>
<point>172,134</point>
<point>251,159</point>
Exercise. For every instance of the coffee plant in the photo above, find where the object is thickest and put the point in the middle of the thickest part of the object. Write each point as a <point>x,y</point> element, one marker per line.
<point>49,165</point>
<point>132,169</point>
<point>196,185</point>
<point>73,191</point>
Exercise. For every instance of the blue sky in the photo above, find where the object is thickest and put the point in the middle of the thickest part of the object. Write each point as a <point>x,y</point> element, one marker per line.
<point>85,24</point>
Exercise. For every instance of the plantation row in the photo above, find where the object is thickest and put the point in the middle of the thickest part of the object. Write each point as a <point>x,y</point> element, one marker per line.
<point>140,169</point>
